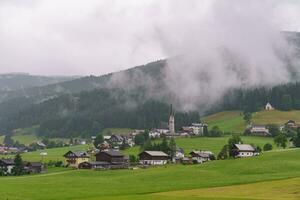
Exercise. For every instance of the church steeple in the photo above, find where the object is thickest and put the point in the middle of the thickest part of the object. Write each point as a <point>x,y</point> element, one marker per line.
<point>172,121</point>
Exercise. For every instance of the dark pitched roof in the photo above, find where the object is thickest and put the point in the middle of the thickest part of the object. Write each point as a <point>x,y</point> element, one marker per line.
<point>201,154</point>
<point>8,161</point>
<point>78,154</point>
<point>112,153</point>
<point>35,164</point>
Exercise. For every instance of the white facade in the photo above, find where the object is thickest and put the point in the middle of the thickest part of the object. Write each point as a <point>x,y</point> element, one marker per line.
<point>245,154</point>
<point>269,106</point>
<point>154,134</point>
<point>172,124</point>
<point>153,162</point>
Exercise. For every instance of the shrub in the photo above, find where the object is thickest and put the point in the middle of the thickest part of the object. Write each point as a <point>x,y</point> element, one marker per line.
<point>268,147</point>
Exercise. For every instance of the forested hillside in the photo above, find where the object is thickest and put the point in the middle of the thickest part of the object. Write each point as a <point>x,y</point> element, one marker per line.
<point>21,82</point>
<point>88,113</point>
<point>131,98</point>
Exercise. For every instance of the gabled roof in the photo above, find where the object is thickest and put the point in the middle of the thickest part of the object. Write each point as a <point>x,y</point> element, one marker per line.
<point>203,154</point>
<point>78,154</point>
<point>35,164</point>
<point>118,137</point>
<point>244,147</point>
<point>156,153</point>
<point>8,161</point>
<point>111,153</point>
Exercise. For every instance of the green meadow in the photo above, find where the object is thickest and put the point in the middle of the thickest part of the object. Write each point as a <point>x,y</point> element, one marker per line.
<point>232,121</point>
<point>213,144</point>
<point>188,144</point>
<point>214,180</point>
<point>54,154</point>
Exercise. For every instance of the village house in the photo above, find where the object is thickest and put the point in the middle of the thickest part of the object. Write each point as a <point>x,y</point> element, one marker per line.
<point>9,150</point>
<point>195,128</point>
<point>154,134</point>
<point>33,167</point>
<point>74,158</point>
<point>259,130</point>
<point>7,165</point>
<point>94,165</point>
<point>116,139</point>
<point>29,167</point>
<point>243,150</point>
<point>201,156</point>
<point>179,155</point>
<point>115,159</point>
<point>41,145</point>
<point>291,124</point>
<point>153,158</point>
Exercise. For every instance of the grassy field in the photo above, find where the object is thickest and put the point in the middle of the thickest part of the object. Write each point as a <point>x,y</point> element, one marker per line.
<point>209,143</point>
<point>232,121</point>
<point>176,182</point>
<point>54,154</point>
<point>273,190</point>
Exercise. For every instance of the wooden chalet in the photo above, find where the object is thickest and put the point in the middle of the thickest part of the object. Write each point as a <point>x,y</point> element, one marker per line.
<point>201,156</point>
<point>113,157</point>
<point>74,158</point>
<point>153,158</point>
<point>243,150</point>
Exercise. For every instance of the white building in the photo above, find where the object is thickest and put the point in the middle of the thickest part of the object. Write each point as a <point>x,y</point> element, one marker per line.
<point>172,122</point>
<point>195,128</point>
<point>201,156</point>
<point>269,106</point>
<point>153,158</point>
<point>244,150</point>
<point>154,134</point>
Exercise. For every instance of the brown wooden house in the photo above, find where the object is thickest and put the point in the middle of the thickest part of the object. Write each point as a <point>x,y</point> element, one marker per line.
<point>153,158</point>
<point>113,157</point>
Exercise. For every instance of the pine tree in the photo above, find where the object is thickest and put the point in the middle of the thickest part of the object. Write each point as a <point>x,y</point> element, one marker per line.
<point>18,168</point>
<point>172,147</point>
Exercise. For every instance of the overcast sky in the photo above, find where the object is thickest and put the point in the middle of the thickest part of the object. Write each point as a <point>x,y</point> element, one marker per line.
<point>82,37</point>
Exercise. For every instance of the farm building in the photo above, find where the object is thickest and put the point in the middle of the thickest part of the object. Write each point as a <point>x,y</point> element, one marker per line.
<point>153,158</point>
<point>243,150</point>
<point>7,164</point>
<point>114,158</point>
<point>259,130</point>
<point>179,155</point>
<point>74,158</point>
<point>291,124</point>
<point>33,167</point>
<point>195,128</point>
<point>201,156</point>
<point>94,165</point>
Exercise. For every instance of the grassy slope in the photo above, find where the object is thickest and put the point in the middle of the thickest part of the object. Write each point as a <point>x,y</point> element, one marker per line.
<point>228,121</point>
<point>232,121</point>
<point>52,154</point>
<point>273,190</point>
<point>209,143</point>
<point>141,184</point>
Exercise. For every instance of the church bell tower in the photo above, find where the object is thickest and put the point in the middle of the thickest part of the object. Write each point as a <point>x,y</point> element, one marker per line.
<point>172,121</point>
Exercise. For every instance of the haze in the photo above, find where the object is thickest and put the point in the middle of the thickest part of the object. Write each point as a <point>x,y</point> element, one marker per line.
<point>71,37</point>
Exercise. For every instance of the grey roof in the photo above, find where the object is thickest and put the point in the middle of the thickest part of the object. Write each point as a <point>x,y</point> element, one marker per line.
<point>8,161</point>
<point>36,164</point>
<point>202,154</point>
<point>156,153</point>
<point>112,153</point>
<point>244,147</point>
<point>79,154</point>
